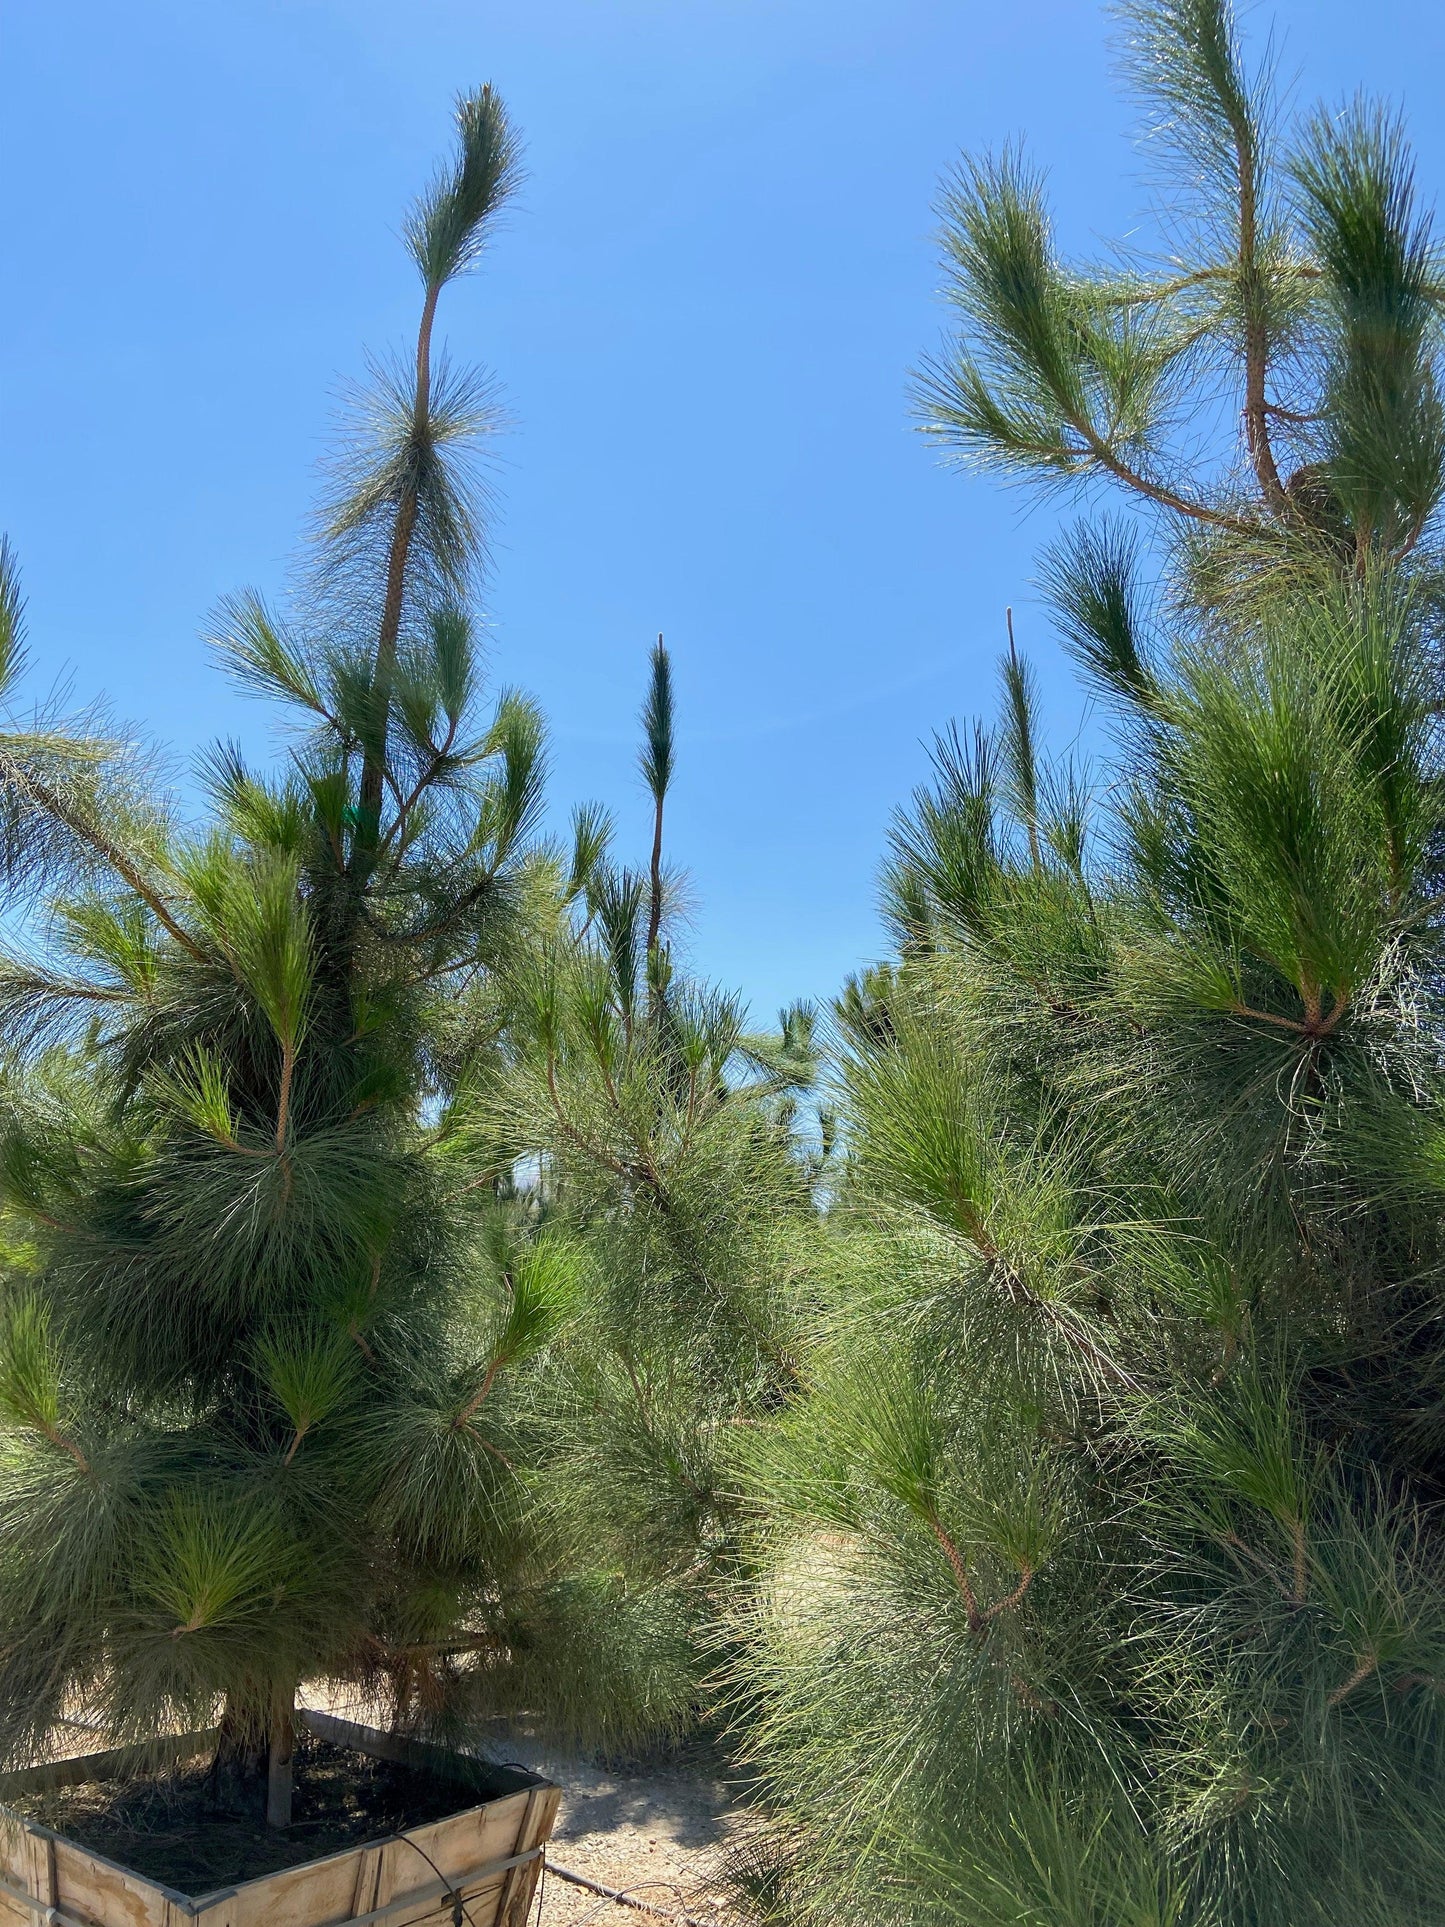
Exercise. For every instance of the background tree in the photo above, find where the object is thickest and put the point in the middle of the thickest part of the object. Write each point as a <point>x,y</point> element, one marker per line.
<point>669,1157</point>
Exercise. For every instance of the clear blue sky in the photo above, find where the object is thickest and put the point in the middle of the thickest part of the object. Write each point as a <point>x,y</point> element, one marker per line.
<point>702,316</point>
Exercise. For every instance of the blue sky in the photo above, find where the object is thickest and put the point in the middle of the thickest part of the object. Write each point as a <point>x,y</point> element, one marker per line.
<point>701,315</point>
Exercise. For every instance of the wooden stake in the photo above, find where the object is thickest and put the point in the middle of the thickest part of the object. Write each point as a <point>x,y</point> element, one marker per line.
<point>279,1777</point>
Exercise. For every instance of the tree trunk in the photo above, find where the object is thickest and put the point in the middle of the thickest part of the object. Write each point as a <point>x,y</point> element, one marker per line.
<point>654,906</point>
<point>278,1764</point>
<point>236,1767</point>
<point>373,768</point>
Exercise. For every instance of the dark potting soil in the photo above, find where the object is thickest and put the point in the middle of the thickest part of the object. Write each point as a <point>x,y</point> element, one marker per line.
<point>167,1825</point>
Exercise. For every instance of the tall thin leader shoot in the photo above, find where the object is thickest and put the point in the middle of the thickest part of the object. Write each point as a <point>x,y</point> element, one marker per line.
<point>655,759</point>
<point>445,235</point>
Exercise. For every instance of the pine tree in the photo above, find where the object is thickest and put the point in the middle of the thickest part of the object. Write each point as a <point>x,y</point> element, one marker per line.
<point>672,1163</point>
<point>257,1341</point>
<point>1104,1576</point>
<point>1101,1555</point>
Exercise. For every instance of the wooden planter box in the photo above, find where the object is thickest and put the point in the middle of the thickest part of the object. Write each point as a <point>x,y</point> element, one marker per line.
<point>490,1854</point>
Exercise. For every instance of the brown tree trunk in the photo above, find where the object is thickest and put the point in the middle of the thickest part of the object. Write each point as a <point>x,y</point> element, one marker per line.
<point>654,908</point>
<point>373,772</point>
<point>236,1767</point>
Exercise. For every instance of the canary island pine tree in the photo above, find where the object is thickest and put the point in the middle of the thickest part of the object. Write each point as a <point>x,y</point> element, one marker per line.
<point>1104,1573</point>
<point>255,1345</point>
<point>1102,1556</point>
<point>670,1161</point>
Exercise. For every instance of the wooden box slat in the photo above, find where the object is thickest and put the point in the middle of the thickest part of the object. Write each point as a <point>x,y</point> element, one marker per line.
<point>489,1852</point>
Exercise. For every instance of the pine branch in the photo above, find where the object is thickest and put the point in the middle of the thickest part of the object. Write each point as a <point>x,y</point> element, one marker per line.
<point>42,796</point>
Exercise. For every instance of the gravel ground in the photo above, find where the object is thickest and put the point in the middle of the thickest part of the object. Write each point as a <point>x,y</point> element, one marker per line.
<point>659,1834</point>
